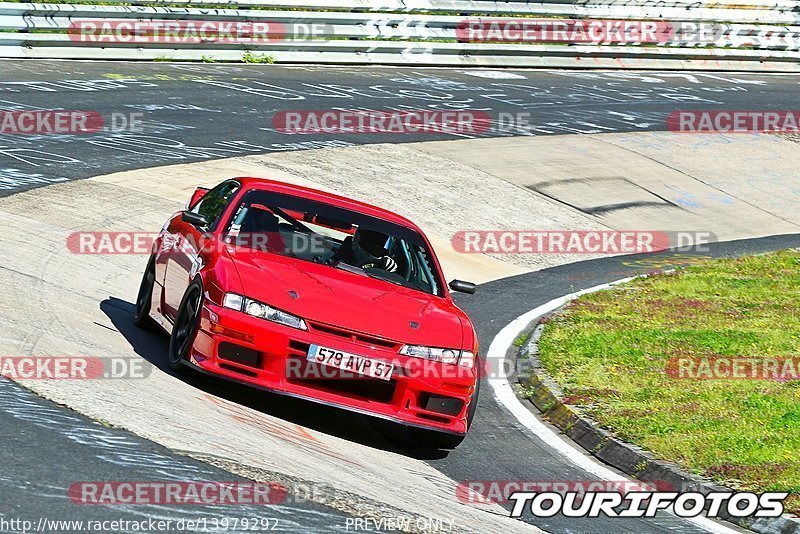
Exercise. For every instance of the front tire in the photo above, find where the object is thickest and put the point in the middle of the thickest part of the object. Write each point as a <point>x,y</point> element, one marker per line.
<point>184,331</point>
<point>144,298</point>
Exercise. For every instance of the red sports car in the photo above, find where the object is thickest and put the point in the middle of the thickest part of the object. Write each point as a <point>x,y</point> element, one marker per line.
<point>313,295</point>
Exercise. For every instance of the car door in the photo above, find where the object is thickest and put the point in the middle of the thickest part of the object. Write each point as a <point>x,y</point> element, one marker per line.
<point>190,245</point>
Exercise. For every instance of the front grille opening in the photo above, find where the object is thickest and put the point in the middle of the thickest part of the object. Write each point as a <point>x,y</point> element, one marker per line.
<point>332,331</point>
<point>238,354</point>
<point>364,388</point>
<point>368,340</point>
<point>239,370</point>
<point>440,404</point>
<point>357,337</point>
<point>436,418</point>
<point>299,346</point>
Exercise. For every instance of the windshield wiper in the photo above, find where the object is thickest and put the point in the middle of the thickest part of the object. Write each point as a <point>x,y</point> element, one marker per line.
<point>339,264</point>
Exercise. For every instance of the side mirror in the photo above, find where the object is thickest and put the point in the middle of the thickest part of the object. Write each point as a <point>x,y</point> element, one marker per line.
<point>195,219</point>
<point>198,194</point>
<point>463,287</point>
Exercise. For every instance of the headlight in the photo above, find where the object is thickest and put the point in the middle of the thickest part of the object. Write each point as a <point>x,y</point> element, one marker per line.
<point>264,311</point>
<point>450,356</point>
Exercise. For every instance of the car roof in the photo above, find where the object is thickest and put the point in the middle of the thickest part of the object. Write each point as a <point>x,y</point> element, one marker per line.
<point>265,184</point>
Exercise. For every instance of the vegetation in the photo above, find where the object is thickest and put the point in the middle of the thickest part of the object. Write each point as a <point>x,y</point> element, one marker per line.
<point>249,57</point>
<point>611,353</point>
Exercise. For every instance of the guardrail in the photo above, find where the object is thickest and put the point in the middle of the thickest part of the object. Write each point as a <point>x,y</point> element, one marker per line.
<point>703,34</point>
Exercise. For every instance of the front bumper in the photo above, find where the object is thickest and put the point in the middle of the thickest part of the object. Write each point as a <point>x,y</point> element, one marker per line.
<point>270,356</point>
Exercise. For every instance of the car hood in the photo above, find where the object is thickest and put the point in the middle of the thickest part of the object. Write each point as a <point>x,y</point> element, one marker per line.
<point>354,301</point>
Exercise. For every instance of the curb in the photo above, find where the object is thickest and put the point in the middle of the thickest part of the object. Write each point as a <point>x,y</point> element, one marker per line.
<point>546,395</point>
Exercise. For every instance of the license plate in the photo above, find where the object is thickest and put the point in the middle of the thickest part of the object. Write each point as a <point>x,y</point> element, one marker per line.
<point>354,363</point>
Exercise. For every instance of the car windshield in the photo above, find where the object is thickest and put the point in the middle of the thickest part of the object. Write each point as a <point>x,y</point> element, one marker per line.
<point>339,238</point>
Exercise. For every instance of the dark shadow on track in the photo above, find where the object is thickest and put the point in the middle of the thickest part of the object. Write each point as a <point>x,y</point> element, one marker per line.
<point>152,346</point>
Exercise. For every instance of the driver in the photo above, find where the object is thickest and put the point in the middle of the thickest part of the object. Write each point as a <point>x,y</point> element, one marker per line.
<point>367,250</point>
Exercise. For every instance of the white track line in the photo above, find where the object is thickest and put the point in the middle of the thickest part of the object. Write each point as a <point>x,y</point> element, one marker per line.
<point>505,395</point>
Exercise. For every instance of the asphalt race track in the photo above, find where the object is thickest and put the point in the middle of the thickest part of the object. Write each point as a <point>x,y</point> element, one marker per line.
<point>45,448</point>
<point>191,112</point>
<point>199,112</point>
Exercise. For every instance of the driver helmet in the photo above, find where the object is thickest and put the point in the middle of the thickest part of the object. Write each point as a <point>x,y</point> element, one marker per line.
<point>369,245</point>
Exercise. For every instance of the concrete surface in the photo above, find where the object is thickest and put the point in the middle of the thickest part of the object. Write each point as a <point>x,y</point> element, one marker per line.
<point>735,186</point>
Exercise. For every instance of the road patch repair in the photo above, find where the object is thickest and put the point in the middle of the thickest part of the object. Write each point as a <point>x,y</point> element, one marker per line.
<point>446,188</point>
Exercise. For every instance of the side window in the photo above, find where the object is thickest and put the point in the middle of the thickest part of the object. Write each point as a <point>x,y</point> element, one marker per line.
<point>213,204</point>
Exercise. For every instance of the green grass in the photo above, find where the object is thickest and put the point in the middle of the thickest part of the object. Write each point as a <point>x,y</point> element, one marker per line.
<point>249,57</point>
<point>609,350</point>
<point>522,339</point>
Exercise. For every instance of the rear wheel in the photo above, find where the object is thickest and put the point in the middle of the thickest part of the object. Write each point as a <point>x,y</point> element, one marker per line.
<point>473,404</point>
<point>184,331</point>
<point>141,317</point>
